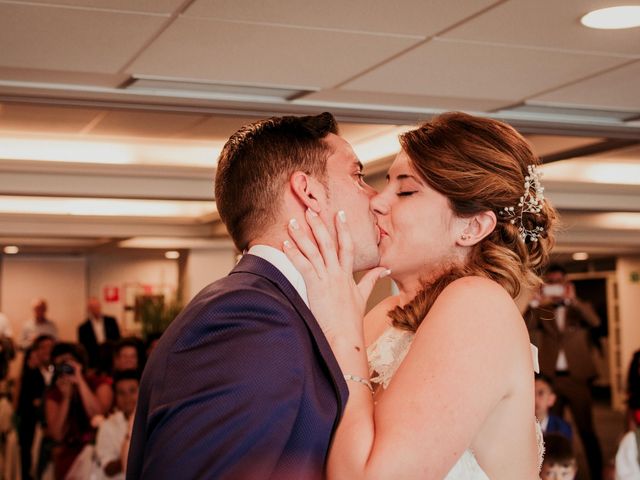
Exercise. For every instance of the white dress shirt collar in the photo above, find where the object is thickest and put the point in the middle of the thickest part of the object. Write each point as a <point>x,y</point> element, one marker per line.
<point>279,260</point>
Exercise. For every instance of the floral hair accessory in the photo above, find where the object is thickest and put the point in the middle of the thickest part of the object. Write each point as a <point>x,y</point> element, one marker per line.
<point>531,202</point>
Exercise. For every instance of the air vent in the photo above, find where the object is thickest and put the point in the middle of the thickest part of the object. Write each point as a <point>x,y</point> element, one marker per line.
<point>188,88</point>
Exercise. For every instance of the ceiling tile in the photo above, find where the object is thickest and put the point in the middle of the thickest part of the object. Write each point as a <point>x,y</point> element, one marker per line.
<point>548,23</point>
<point>413,17</point>
<point>70,39</point>
<point>15,117</point>
<point>461,70</point>
<point>145,6</point>
<point>263,55</point>
<point>406,101</point>
<point>618,88</point>
<point>145,124</point>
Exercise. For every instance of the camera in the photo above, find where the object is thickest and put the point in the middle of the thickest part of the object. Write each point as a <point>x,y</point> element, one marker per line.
<point>63,369</point>
<point>553,290</point>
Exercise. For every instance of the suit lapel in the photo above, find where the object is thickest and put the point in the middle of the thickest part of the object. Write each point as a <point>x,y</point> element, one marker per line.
<point>258,266</point>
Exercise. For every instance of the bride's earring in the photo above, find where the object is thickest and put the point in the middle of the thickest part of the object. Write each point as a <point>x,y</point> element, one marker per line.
<point>465,237</point>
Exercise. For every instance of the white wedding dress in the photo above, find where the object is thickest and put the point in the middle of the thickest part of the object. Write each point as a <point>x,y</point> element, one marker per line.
<point>385,356</point>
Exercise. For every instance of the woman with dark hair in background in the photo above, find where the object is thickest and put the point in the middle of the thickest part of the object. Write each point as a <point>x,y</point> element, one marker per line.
<point>71,403</point>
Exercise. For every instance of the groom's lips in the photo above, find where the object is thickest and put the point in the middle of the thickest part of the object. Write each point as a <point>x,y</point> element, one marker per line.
<point>382,233</point>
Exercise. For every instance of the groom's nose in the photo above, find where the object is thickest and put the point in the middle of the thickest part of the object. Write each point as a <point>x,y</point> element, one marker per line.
<point>379,204</point>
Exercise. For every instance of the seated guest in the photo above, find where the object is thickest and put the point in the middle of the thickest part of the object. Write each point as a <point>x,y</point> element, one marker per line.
<point>114,430</point>
<point>96,333</point>
<point>559,460</point>
<point>545,399</point>
<point>627,459</point>
<point>35,377</point>
<point>126,355</point>
<point>71,403</point>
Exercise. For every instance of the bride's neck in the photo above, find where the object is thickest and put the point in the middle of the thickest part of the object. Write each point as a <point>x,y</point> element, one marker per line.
<point>410,285</point>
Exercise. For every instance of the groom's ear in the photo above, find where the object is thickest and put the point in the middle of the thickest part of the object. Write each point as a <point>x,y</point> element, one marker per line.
<point>477,227</point>
<point>307,190</point>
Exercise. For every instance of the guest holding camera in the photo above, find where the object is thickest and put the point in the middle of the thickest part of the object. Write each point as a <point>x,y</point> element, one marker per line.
<point>70,405</point>
<point>559,324</point>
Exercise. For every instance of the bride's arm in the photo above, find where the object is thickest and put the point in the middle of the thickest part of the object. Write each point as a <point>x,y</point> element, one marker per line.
<point>454,375</point>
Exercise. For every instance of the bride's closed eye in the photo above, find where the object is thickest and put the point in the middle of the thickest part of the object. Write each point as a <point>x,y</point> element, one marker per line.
<point>407,193</point>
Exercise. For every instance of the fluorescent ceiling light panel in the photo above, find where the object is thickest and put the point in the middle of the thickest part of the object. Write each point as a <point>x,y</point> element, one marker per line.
<point>107,207</point>
<point>617,220</point>
<point>380,146</point>
<point>110,152</point>
<point>607,171</point>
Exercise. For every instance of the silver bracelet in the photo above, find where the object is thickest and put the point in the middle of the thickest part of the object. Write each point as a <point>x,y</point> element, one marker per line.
<point>361,380</point>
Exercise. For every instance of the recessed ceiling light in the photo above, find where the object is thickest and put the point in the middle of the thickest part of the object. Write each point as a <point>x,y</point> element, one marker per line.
<point>580,256</point>
<point>627,16</point>
<point>11,249</point>
<point>172,254</point>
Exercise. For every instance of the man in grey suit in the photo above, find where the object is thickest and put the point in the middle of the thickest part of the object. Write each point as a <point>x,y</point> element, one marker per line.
<point>560,324</point>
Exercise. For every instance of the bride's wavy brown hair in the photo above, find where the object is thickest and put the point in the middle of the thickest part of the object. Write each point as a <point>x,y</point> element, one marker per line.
<point>479,164</point>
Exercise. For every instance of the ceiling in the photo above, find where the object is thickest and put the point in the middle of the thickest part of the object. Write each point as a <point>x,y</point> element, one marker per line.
<point>112,112</point>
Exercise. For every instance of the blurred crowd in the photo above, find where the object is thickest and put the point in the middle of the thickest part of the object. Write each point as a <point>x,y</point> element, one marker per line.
<point>66,414</point>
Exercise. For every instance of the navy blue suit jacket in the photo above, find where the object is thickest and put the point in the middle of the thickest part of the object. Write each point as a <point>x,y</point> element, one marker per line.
<point>242,385</point>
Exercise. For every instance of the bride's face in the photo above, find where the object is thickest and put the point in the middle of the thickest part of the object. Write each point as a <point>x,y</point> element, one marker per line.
<point>417,225</point>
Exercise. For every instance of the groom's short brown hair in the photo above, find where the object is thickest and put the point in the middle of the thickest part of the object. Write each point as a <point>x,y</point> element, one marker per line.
<point>257,161</point>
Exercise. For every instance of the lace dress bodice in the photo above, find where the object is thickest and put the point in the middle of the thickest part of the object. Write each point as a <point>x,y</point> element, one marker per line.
<point>385,356</point>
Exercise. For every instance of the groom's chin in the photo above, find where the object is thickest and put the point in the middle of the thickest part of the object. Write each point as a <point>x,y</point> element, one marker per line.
<point>366,260</point>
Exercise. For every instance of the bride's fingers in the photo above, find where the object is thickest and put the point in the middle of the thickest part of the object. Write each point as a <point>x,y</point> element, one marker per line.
<point>323,239</point>
<point>345,242</point>
<point>306,246</point>
<point>369,280</point>
<point>302,264</point>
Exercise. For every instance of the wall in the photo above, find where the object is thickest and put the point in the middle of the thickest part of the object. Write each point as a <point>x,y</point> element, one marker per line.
<point>132,273</point>
<point>60,280</point>
<point>204,266</point>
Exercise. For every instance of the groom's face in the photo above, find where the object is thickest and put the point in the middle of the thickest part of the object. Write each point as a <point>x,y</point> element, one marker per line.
<point>347,191</point>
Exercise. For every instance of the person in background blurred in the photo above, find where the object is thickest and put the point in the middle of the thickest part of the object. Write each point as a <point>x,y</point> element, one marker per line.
<point>545,399</point>
<point>71,403</point>
<point>559,460</point>
<point>36,376</point>
<point>126,355</point>
<point>114,431</point>
<point>560,323</point>
<point>38,325</point>
<point>96,333</point>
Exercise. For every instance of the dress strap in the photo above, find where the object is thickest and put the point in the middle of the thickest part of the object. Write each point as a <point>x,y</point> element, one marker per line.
<point>534,357</point>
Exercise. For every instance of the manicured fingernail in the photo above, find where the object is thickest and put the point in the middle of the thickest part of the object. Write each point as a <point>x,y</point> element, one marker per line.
<point>287,244</point>
<point>293,223</point>
<point>385,273</point>
<point>312,213</point>
<point>342,216</point>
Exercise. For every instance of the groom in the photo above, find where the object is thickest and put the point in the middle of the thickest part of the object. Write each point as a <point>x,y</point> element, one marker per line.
<point>243,384</point>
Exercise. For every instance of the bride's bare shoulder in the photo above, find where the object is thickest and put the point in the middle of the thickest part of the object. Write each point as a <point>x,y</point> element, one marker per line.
<point>377,320</point>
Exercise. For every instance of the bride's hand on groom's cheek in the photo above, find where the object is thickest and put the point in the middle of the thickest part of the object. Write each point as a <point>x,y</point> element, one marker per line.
<point>327,268</point>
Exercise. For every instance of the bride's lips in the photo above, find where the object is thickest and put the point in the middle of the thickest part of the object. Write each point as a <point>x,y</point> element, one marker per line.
<point>382,232</point>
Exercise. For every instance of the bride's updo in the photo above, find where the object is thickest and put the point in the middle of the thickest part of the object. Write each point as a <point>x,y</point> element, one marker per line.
<point>480,165</point>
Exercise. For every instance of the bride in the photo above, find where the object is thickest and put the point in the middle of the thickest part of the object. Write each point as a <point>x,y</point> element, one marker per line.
<point>464,227</point>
